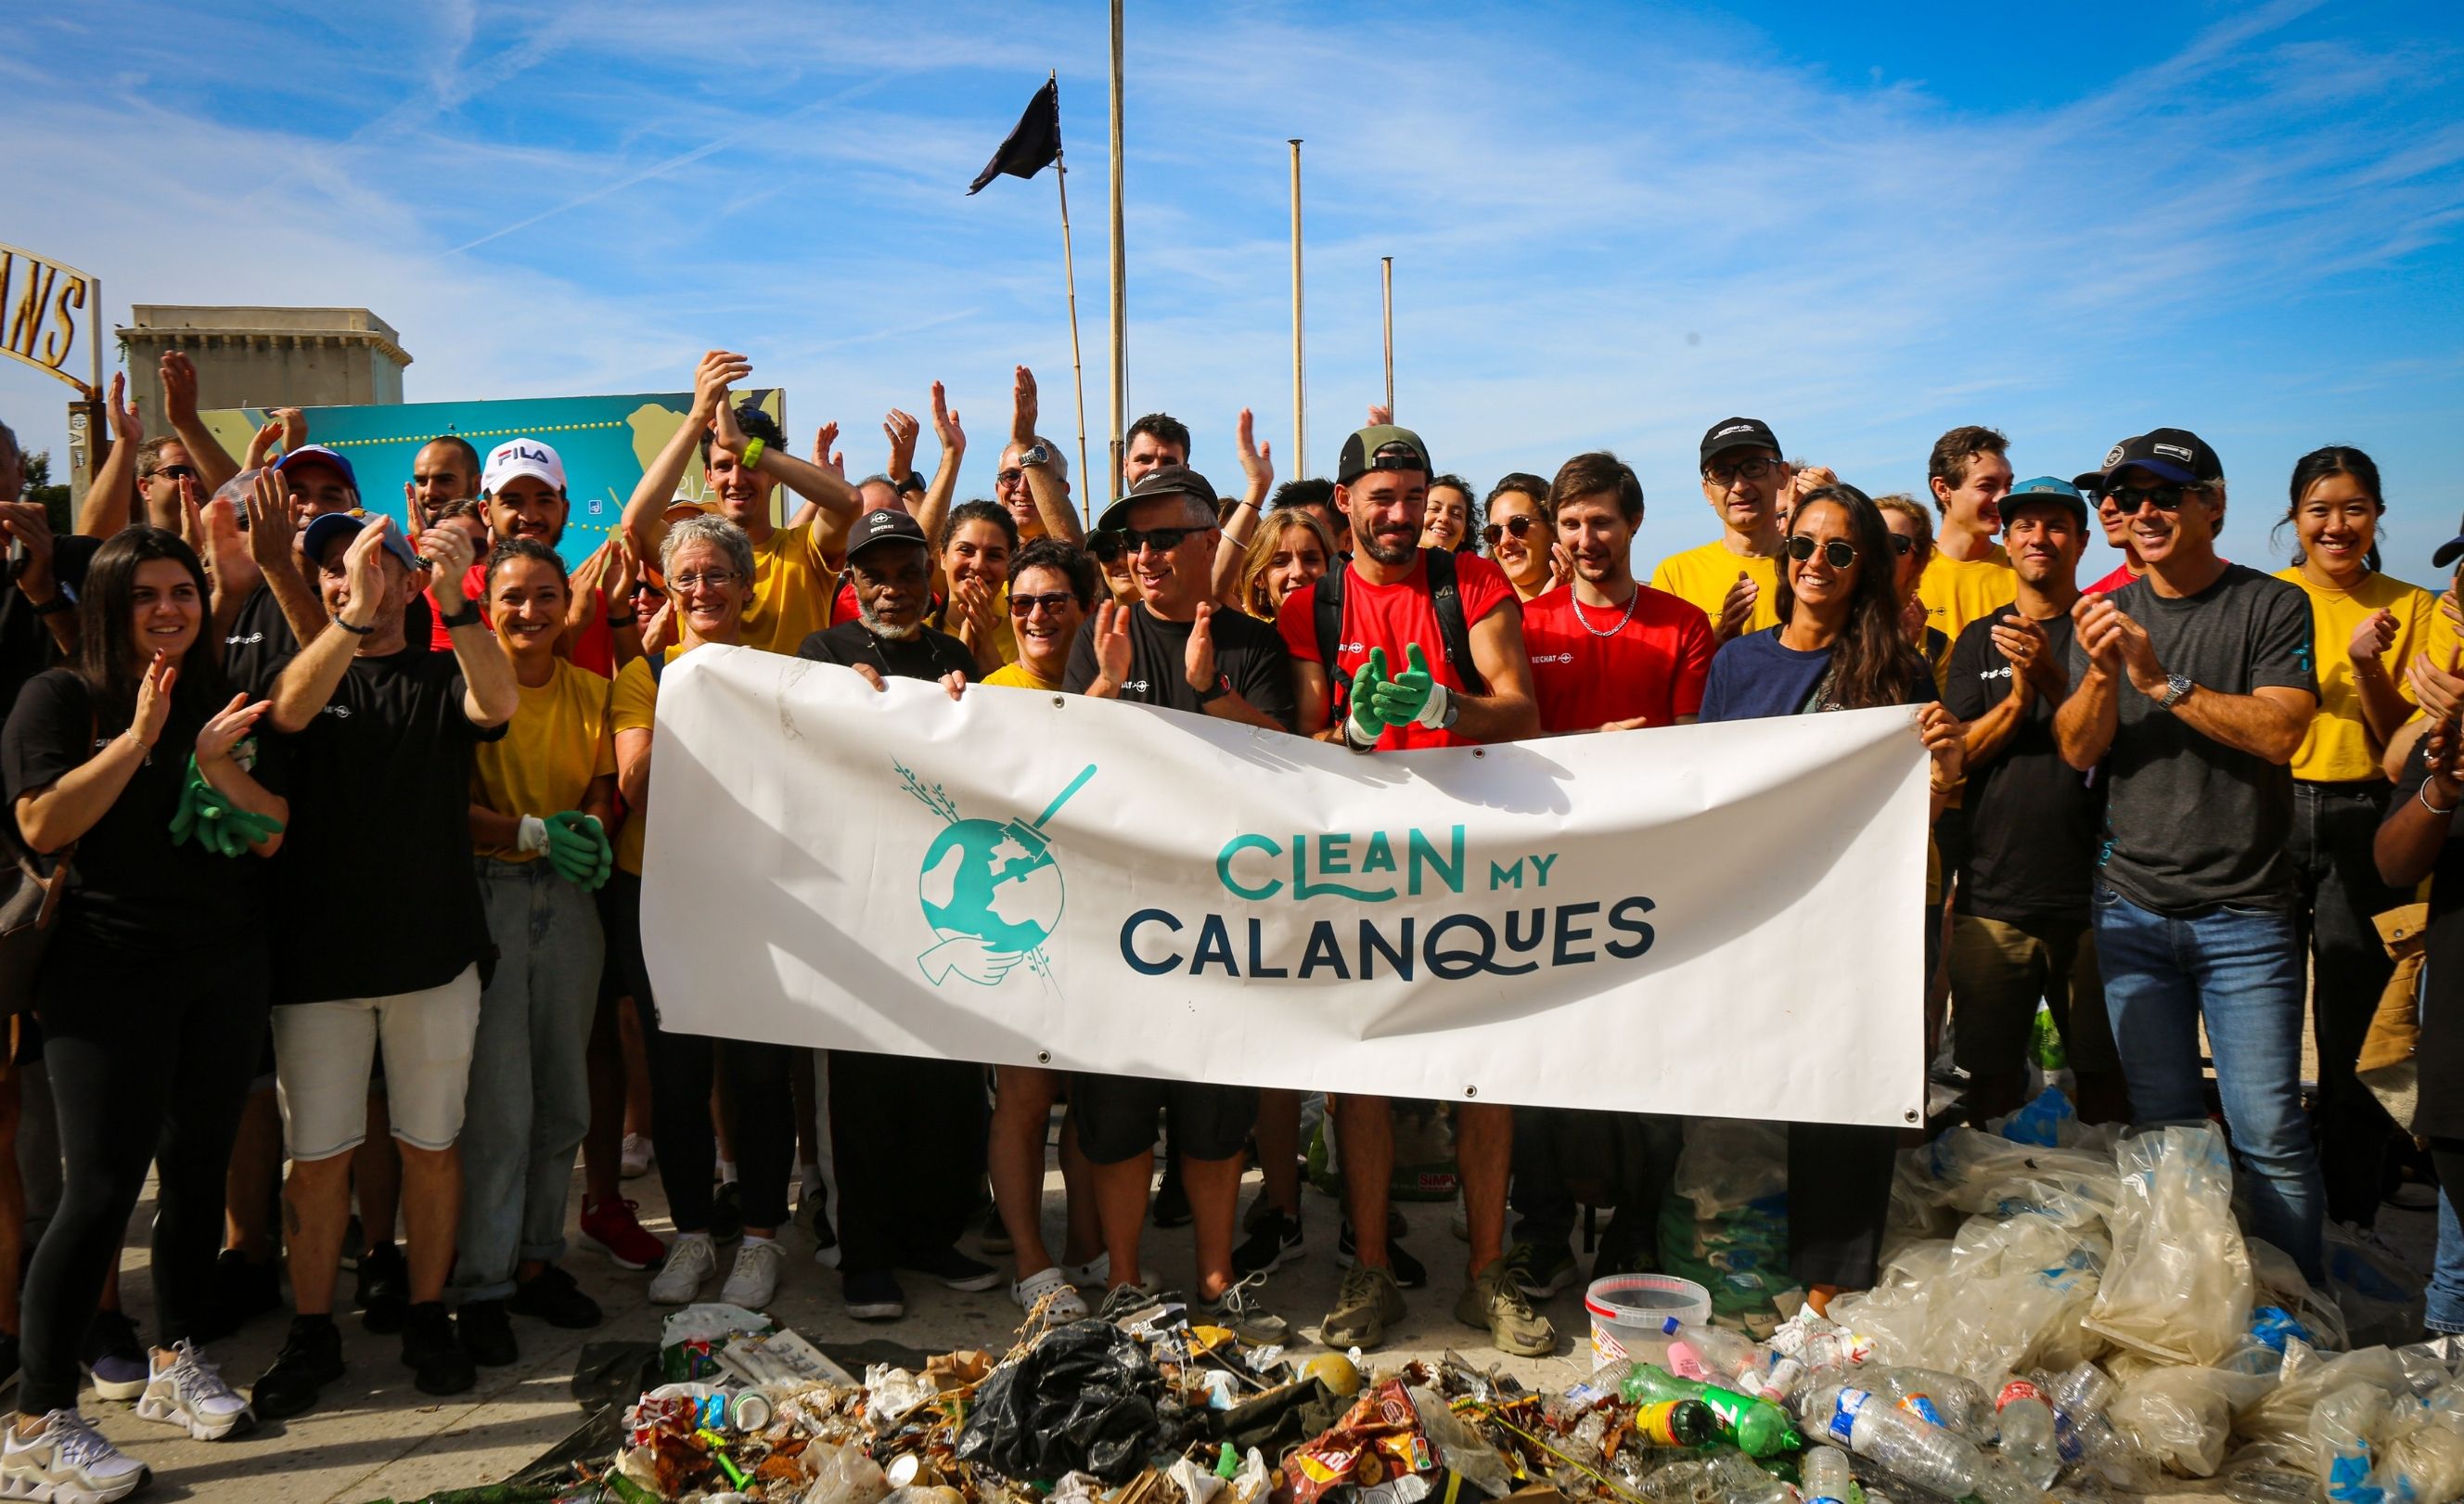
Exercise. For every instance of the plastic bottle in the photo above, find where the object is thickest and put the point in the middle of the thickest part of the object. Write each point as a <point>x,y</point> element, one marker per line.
<point>2027,1432</point>
<point>1676,1423</point>
<point>1870,1426</point>
<point>1934,1397</point>
<point>1679,1483</point>
<point>1828,1479</point>
<point>1759,1426</point>
<point>1741,1482</point>
<point>1713,1356</point>
<point>1999,1481</point>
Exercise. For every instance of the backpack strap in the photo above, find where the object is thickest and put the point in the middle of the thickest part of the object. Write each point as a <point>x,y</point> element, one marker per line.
<point>1330,640</point>
<point>658,664</point>
<point>1452,628</point>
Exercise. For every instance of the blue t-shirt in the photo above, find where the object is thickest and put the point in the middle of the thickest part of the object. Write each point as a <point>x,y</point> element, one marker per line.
<point>1753,676</point>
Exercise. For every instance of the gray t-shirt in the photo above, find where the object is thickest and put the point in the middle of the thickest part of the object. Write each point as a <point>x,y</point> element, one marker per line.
<point>2189,822</point>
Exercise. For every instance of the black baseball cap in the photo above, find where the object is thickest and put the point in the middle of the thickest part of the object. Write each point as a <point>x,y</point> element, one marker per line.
<point>1164,480</point>
<point>2446,555</point>
<point>1738,433</point>
<point>1382,445</point>
<point>887,525</point>
<point>2177,455</point>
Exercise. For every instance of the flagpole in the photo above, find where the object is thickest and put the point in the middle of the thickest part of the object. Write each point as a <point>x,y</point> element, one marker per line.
<point>1120,292</point>
<point>1300,394</point>
<point>1069,277</point>
<point>1386,267</point>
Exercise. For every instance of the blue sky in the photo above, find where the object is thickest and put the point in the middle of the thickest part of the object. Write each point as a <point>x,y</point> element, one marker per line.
<point>1612,225</point>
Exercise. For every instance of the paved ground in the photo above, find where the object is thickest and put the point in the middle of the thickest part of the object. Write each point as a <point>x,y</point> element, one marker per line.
<point>375,1437</point>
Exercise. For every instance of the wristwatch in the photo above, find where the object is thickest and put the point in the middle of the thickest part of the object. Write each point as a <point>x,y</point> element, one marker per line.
<point>2177,687</point>
<point>914,481</point>
<point>1215,691</point>
<point>467,616</point>
<point>1454,712</point>
<point>1036,454</point>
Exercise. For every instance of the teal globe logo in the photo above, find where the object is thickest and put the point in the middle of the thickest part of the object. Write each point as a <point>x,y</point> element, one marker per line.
<point>989,888</point>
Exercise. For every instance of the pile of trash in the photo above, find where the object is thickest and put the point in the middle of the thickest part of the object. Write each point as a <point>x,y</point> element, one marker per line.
<point>1725,1223</point>
<point>2064,1315</point>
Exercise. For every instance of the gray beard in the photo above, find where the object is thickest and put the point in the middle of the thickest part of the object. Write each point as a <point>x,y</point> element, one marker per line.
<point>882,629</point>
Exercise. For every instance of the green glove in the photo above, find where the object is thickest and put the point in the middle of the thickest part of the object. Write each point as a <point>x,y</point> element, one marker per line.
<point>183,820</point>
<point>1408,697</point>
<point>1367,724</point>
<point>579,849</point>
<point>238,830</point>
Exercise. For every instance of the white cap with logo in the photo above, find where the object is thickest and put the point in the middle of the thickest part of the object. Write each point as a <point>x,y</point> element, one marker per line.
<point>521,457</point>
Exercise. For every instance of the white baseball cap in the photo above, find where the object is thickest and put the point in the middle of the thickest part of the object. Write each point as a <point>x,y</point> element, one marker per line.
<point>521,457</point>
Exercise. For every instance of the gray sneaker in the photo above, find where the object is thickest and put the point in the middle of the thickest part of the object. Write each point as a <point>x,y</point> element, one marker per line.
<point>1237,1311</point>
<point>1369,1299</point>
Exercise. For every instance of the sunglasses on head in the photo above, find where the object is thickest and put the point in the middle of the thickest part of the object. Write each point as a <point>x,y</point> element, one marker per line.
<point>1838,552</point>
<point>1161,539</point>
<point>2130,498</point>
<point>1056,602</point>
<point>1516,525</point>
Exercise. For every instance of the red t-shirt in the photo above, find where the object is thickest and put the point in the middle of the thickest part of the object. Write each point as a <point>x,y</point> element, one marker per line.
<point>594,650</point>
<point>1393,616</point>
<point>2112,581</point>
<point>1653,665</point>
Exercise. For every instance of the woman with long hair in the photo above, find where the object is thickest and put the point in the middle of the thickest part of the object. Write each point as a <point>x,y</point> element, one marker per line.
<point>1841,644</point>
<point>1517,536</point>
<point>1912,548</point>
<point>153,995</point>
<point>2365,625</point>
<point>1290,549</point>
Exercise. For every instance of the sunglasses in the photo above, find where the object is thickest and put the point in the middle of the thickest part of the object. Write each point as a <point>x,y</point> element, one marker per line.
<point>2130,498</point>
<point>1838,552</point>
<point>1903,544</point>
<point>1056,602</point>
<point>1516,525</point>
<point>178,472</point>
<point>1010,477</point>
<point>1161,539</point>
<point>1106,545</point>
<point>1755,469</point>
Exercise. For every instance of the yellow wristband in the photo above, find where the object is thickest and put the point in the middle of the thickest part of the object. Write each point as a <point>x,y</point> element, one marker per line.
<point>751,459</point>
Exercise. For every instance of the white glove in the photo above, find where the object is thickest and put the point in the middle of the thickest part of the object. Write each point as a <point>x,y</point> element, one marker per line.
<point>533,837</point>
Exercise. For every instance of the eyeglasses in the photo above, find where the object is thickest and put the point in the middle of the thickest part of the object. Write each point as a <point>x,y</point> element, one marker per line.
<point>1106,545</point>
<point>1516,525</point>
<point>1903,544</point>
<point>1838,552</point>
<point>711,579</point>
<point>1010,477</point>
<point>1757,468</point>
<point>1160,540</point>
<point>2130,498</point>
<point>1056,602</point>
<point>178,472</point>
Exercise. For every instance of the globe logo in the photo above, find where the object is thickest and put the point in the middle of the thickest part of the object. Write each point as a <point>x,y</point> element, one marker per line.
<point>989,888</point>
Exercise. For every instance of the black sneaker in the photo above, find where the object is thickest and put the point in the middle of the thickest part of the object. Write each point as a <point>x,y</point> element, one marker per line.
<point>486,1333</point>
<point>1274,1239</point>
<point>553,1297</point>
<point>873,1295</point>
<point>381,1289</point>
<point>954,1269</point>
<point>1172,1198</point>
<point>115,1357</point>
<point>436,1359</point>
<point>310,1358</point>
<point>727,1214</point>
<point>240,1293</point>
<point>1409,1272</point>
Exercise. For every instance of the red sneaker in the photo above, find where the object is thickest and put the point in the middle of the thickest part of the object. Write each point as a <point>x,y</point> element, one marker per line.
<point>611,1225</point>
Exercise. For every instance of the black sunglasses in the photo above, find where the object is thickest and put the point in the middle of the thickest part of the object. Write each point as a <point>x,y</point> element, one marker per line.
<point>1056,602</point>
<point>178,472</point>
<point>1903,544</point>
<point>1517,525</point>
<point>2130,498</point>
<point>1104,543</point>
<point>1838,552</point>
<point>1163,540</point>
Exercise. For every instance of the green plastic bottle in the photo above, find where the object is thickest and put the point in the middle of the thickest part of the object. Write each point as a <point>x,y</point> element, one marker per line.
<point>2045,1040</point>
<point>1759,1427</point>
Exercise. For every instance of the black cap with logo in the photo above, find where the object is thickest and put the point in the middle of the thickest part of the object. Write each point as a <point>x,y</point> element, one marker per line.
<point>2176,454</point>
<point>1164,480</point>
<point>1738,433</point>
<point>887,525</point>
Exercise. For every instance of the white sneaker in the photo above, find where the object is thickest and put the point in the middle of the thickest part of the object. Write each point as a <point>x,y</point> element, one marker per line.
<point>188,1391</point>
<point>637,1157</point>
<point>1097,1273</point>
<point>1066,1303</point>
<point>755,1278</point>
<point>691,1259</point>
<point>67,1462</point>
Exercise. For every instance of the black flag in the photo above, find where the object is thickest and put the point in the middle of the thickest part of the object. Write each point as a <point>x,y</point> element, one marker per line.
<point>1033,144</point>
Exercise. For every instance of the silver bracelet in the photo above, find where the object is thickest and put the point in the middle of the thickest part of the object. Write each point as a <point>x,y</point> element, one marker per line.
<point>2423,794</point>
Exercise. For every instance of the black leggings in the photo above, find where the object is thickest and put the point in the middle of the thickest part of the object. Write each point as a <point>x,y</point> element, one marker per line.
<point>150,1060</point>
<point>682,1066</point>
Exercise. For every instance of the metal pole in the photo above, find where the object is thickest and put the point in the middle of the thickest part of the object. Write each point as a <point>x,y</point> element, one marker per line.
<point>1120,291</point>
<point>1386,272</point>
<point>1070,276</point>
<point>94,334</point>
<point>1300,388</point>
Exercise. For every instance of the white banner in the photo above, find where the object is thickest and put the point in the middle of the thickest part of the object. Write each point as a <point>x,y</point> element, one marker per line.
<point>1722,920</point>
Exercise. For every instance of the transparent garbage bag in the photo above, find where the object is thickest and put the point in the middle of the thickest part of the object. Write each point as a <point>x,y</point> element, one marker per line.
<point>2179,1286</point>
<point>2182,1417</point>
<point>1728,1162</point>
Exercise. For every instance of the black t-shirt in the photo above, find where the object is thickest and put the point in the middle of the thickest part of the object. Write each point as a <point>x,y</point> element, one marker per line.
<point>1250,656</point>
<point>929,655</point>
<point>259,642</point>
<point>129,886</point>
<point>2189,822</point>
<point>2440,1055</point>
<point>2032,819</point>
<point>27,647</point>
<point>374,880</point>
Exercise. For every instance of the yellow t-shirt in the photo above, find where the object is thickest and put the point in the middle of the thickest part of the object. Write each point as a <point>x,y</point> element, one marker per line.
<point>635,697</point>
<point>2338,747</point>
<point>792,586</point>
<point>1016,676</point>
<point>1956,591</point>
<point>1705,576</point>
<point>561,738</point>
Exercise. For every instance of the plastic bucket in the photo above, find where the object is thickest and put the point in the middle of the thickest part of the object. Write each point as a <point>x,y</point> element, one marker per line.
<point>1627,1310</point>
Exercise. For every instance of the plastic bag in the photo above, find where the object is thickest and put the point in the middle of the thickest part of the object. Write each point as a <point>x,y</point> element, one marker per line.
<point>1460,1449</point>
<point>1083,1398</point>
<point>2182,1417</point>
<point>2381,1299</point>
<point>2179,1287</point>
<point>1730,1162</point>
<point>841,1475</point>
<point>2281,1416</point>
<point>2343,1427</point>
<point>2421,1461</point>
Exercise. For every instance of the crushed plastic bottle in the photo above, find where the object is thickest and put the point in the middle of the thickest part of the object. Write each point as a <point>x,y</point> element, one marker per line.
<point>1869,1425</point>
<point>2027,1432</point>
<point>1741,1482</point>
<point>1827,1477</point>
<point>2264,1483</point>
<point>1713,1356</point>
<point>1687,1482</point>
<point>1936,1398</point>
<point>1999,1481</point>
<point>1760,1427</point>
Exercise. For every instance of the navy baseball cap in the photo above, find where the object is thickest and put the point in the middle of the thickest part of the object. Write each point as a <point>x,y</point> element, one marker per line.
<point>2446,555</point>
<point>2046,488</point>
<point>2175,454</point>
<point>320,455</point>
<point>321,533</point>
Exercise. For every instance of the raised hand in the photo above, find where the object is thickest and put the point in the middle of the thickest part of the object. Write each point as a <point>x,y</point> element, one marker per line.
<point>1561,565</point>
<point>229,727</point>
<point>179,389</point>
<point>295,427</point>
<point>1378,413</point>
<point>1112,641</point>
<point>1022,409</point>
<point>719,370</point>
<point>269,527</point>
<point>945,423</point>
<point>1257,460</point>
<point>2100,635</point>
<point>226,551</point>
<point>1199,660</point>
<point>2375,636</point>
<point>125,422</point>
<point>449,550</point>
<point>623,570</point>
<point>826,452</point>
<point>2029,650</point>
<point>365,572</point>
<point>1737,607</point>
<point>154,699</point>
<point>2442,757</point>
<point>1943,736</point>
<point>901,431</point>
<point>2438,691</point>
<point>1407,696</point>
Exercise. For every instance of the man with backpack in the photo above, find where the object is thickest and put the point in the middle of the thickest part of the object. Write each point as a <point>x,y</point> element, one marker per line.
<point>1406,648</point>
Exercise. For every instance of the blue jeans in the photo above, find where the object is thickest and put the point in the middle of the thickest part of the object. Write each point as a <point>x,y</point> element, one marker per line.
<point>2445,1304</point>
<point>2240,969</point>
<point>529,1102</point>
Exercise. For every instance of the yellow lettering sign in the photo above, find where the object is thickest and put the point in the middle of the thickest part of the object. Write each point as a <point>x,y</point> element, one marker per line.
<point>39,303</point>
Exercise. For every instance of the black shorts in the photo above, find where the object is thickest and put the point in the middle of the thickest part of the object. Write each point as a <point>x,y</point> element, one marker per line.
<point>1116,1116</point>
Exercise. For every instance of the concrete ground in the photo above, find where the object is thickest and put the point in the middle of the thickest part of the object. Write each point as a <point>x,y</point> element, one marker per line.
<point>375,1437</point>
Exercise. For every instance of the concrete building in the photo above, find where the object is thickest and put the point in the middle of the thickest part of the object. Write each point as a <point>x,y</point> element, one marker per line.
<point>258,357</point>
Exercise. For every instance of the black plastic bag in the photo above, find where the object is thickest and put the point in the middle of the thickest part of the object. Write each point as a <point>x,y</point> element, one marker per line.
<point>1082,1399</point>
